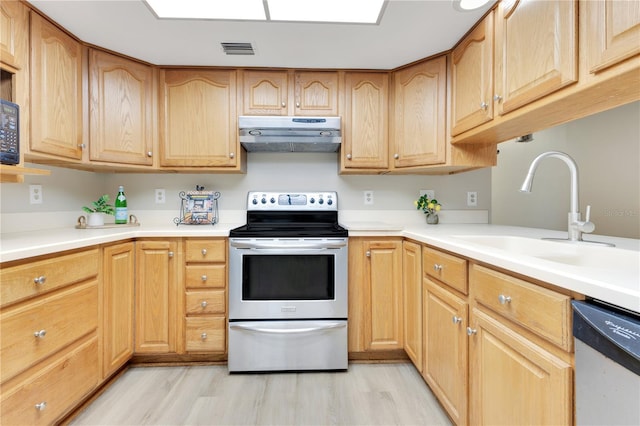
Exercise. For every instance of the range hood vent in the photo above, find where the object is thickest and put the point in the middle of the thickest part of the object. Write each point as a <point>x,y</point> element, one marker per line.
<point>290,134</point>
<point>238,48</point>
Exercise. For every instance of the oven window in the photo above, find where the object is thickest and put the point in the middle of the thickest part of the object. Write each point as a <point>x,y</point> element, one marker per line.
<point>288,277</point>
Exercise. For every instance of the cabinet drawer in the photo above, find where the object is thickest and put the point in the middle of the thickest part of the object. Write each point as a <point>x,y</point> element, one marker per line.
<point>60,385</point>
<point>206,250</point>
<point>63,318</point>
<point>540,310</point>
<point>23,281</point>
<point>447,268</point>
<point>206,276</point>
<point>206,302</point>
<point>206,334</point>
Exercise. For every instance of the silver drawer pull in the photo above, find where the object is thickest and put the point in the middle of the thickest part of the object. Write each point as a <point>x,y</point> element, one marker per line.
<point>170,254</point>
<point>204,304</point>
<point>40,334</point>
<point>504,299</point>
<point>471,331</point>
<point>203,336</point>
<point>40,280</point>
<point>204,277</point>
<point>456,319</point>
<point>437,267</point>
<point>41,406</point>
<point>204,252</point>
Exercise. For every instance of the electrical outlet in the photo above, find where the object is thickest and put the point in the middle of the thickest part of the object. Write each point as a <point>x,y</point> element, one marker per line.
<point>368,197</point>
<point>472,199</point>
<point>160,196</point>
<point>35,194</point>
<point>430,193</point>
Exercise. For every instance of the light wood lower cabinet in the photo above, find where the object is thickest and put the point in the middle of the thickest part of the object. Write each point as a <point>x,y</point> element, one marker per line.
<point>445,354</point>
<point>412,301</point>
<point>205,295</point>
<point>375,294</point>
<point>117,306</point>
<point>157,296</point>
<point>514,380</point>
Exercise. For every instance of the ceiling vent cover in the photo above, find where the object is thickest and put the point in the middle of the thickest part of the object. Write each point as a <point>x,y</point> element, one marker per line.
<point>238,48</point>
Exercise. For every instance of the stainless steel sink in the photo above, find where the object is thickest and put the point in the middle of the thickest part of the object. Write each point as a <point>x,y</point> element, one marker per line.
<point>576,254</point>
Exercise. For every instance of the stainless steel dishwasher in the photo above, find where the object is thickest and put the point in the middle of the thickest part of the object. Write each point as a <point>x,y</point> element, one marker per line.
<point>607,357</point>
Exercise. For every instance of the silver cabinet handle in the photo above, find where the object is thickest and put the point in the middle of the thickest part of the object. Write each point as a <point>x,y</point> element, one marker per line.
<point>204,252</point>
<point>203,336</point>
<point>368,253</point>
<point>40,334</point>
<point>497,98</point>
<point>40,280</point>
<point>456,319</point>
<point>504,299</point>
<point>283,104</point>
<point>484,105</point>
<point>41,406</point>
<point>437,267</point>
<point>297,104</point>
<point>82,145</point>
<point>348,156</point>
<point>471,331</point>
<point>170,254</point>
<point>149,154</point>
<point>204,278</point>
<point>396,156</point>
<point>232,155</point>
<point>204,304</point>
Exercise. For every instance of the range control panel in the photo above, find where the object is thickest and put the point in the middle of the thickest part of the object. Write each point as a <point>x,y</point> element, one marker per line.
<point>288,201</point>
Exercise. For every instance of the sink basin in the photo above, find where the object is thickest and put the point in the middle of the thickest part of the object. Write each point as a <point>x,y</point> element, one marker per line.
<point>576,254</point>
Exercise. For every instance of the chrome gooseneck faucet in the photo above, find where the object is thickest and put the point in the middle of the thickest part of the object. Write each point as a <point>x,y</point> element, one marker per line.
<point>576,227</point>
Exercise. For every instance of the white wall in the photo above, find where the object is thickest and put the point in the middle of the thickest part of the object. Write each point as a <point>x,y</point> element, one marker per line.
<point>68,190</point>
<point>606,148</point>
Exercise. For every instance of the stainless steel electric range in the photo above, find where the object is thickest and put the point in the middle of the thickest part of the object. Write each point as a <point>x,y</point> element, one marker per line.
<point>288,284</point>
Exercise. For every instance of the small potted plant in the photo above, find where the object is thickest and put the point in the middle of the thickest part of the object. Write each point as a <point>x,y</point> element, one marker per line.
<point>430,207</point>
<point>97,211</point>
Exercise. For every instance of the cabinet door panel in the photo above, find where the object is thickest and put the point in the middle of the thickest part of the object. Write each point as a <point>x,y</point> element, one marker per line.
<point>419,120</point>
<point>514,381</point>
<point>265,92</point>
<point>316,93</point>
<point>14,23</point>
<point>121,119</point>
<point>614,32</point>
<point>536,50</point>
<point>198,118</point>
<point>365,131</point>
<point>56,91</point>
<point>412,301</point>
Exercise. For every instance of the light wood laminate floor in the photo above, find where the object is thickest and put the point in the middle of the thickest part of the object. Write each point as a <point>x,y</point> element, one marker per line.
<point>367,394</point>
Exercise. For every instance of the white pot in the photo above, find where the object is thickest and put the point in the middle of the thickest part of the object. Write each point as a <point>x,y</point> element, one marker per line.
<point>95,219</point>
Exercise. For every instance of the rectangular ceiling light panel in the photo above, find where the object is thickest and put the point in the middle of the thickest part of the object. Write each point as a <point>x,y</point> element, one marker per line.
<point>250,10</point>
<point>344,11</point>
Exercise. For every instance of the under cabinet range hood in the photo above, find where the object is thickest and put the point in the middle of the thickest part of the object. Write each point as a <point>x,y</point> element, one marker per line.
<point>290,134</point>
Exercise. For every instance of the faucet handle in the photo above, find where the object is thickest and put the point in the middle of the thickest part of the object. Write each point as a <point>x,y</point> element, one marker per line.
<point>587,226</point>
<point>588,213</point>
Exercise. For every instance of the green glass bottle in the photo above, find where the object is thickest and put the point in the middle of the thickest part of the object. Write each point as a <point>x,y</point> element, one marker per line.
<point>121,206</point>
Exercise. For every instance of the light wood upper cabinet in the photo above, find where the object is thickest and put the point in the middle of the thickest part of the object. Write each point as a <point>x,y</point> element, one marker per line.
<point>513,380</point>
<point>14,30</point>
<point>412,307</point>
<point>198,119</point>
<point>117,306</point>
<point>121,119</point>
<point>365,134</point>
<point>536,50</point>
<point>287,92</point>
<point>56,91</point>
<point>419,120</point>
<point>472,78</point>
<point>614,32</point>
<point>157,303</point>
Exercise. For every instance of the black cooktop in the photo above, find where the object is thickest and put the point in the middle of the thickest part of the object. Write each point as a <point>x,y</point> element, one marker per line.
<point>278,224</point>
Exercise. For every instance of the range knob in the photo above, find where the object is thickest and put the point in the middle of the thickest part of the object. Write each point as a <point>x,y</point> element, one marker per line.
<point>329,201</point>
<point>272,200</point>
<point>263,201</point>
<point>312,200</point>
<point>321,201</point>
<point>255,201</point>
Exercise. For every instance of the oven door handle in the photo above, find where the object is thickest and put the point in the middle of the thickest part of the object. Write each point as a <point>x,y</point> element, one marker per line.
<point>302,330</point>
<point>258,246</point>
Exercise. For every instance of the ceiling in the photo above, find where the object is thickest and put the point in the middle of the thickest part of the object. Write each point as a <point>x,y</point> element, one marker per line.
<point>408,30</point>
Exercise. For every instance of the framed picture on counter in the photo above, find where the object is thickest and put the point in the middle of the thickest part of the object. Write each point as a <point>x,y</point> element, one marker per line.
<point>198,207</point>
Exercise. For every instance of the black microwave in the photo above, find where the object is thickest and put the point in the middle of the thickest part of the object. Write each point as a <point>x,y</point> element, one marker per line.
<point>9,132</point>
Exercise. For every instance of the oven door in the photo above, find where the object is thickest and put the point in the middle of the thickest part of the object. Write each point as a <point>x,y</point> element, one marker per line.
<point>287,278</point>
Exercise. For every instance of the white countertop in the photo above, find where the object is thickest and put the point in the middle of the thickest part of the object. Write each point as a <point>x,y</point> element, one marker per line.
<point>619,286</point>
